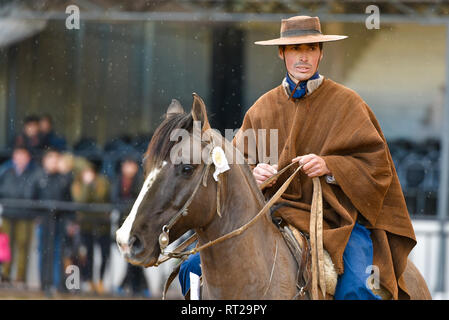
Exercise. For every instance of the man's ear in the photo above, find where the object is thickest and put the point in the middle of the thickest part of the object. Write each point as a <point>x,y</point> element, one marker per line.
<point>199,112</point>
<point>281,52</point>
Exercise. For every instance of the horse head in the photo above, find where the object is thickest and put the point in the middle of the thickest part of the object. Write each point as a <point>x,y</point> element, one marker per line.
<point>172,175</point>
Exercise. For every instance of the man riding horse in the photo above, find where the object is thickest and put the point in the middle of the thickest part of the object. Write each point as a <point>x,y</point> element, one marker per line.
<point>329,129</point>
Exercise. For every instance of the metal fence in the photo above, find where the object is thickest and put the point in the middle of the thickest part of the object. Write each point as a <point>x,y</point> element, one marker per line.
<point>49,211</point>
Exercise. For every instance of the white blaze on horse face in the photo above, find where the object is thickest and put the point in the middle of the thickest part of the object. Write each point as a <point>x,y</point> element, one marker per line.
<point>123,234</point>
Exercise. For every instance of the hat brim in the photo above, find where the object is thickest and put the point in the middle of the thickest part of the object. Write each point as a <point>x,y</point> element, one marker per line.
<point>300,40</point>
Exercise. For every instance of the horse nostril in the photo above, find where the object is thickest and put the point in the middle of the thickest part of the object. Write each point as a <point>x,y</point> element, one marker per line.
<point>124,248</point>
<point>136,245</point>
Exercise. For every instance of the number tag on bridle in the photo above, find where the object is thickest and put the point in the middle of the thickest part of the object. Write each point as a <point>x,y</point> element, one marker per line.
<point>220,162</point>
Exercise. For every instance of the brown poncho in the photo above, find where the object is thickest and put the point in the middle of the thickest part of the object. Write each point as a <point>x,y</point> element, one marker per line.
<point>336,124</point>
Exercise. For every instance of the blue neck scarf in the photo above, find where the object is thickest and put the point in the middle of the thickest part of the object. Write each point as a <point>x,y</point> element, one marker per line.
<point>302,88</point>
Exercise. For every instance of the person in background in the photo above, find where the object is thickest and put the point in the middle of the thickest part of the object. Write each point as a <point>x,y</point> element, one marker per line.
<point>30,137</point>
<point>69,167</point>
<point>91,187</point>
<point>49,184</point>
<point>16,183</point>
<point>125,189</point>
<point>126,186</point>
<point>49,138</point>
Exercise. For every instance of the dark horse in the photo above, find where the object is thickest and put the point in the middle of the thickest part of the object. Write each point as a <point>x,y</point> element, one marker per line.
<point>257,264</point>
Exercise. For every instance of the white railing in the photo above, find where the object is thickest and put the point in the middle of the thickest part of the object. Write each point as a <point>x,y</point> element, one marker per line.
<point>427,254</point>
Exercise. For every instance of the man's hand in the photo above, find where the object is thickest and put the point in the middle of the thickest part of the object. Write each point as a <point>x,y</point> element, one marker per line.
<point>263,171</point>
<point>314,166</point>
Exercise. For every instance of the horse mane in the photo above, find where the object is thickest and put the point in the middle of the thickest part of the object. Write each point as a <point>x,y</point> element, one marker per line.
<point>160,144</point>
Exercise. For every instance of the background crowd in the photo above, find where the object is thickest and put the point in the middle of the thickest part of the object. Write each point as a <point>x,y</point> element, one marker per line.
<point>42,167</point>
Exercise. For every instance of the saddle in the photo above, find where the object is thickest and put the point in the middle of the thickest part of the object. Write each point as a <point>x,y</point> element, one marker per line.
<point>299,245</point>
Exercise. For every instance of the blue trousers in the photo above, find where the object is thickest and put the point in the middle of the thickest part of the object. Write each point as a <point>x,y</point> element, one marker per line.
<point>358,255</point>
<point>351,285</point>
<point>192,264</point>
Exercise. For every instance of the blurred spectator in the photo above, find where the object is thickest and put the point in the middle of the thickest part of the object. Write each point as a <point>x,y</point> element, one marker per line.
<point>66,168</point>
<point>126,188</point>
<point>70,166</point>
<point>16,183</point>
<point>5,248</point>
<point>91,187</point>
<point>66,164</point>
<point>49,138</point>
<point>30,137</point>
<point>49,184</point>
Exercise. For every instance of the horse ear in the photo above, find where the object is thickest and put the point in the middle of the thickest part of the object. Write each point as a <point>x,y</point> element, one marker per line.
<point>199,112</point>
<point>173,109</point>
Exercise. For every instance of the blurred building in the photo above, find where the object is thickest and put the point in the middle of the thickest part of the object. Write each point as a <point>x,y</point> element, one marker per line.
<point>120,70</point>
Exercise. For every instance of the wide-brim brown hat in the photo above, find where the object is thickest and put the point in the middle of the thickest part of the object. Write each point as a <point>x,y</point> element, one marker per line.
<point>299,30</point>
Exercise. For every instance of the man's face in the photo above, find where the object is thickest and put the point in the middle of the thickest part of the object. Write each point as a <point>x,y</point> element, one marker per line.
<point>45,125</point>
<point>31,129</point>
<point>129,169</point>
<point>50,162</point>
<point>21,158</point>
<point>88,175</point>
<point>301,60</point>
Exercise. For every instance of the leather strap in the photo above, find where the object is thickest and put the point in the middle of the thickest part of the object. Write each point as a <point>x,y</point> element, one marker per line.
<point>178,251</point>
<point>297,32</point>
<point>275,176</point>
<point>240,230</point>
<point>316,229</point>
<point>316,240</point>
<point>315,233</point>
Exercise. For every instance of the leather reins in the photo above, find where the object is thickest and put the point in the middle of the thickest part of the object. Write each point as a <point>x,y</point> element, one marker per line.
<point>315,230</point>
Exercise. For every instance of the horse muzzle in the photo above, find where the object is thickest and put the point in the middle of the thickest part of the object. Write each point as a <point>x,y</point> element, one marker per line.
<point>130,249</point>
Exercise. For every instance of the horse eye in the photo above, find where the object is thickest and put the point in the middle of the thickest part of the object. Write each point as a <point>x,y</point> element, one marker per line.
<point>187,169</point>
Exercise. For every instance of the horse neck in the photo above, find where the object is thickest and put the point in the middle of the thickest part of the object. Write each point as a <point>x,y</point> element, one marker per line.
<point>241,201</point>
<point>236,257</point>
